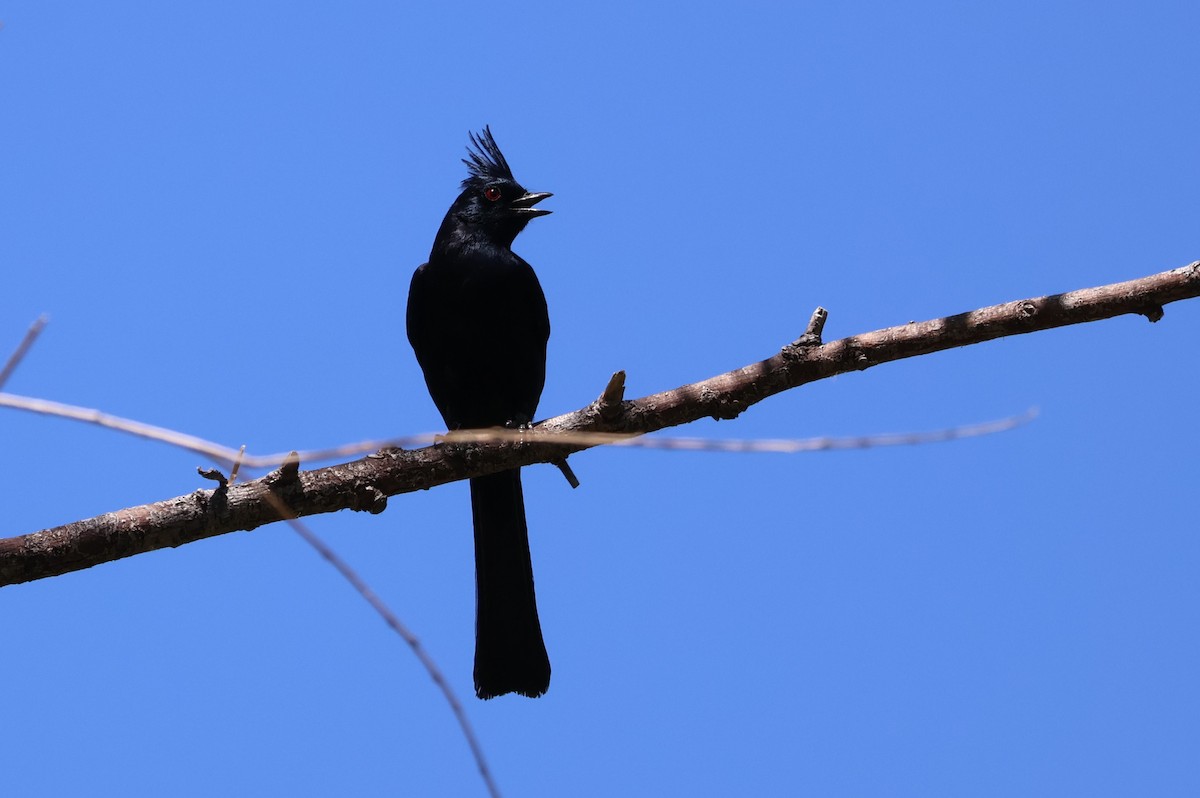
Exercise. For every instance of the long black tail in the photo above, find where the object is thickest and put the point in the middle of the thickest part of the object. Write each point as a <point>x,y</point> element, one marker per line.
<point>510,656</point>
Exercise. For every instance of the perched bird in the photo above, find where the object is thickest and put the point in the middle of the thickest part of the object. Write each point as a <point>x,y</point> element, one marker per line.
<point>477,321</point>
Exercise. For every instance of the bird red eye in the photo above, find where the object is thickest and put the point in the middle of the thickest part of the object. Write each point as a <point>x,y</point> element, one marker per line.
<point>492,193</point>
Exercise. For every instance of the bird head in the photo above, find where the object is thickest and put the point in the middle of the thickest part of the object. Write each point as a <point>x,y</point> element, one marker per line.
<point>492,202</point>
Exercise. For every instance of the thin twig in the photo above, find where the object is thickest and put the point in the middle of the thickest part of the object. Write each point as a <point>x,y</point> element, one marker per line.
<point>633,440</point>
<point>397,626</point>
<point>214,451</point>
<point>18,354</point>
<point>237,464</point>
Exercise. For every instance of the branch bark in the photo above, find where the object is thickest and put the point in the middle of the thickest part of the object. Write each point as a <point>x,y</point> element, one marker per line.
<point>366,483</point>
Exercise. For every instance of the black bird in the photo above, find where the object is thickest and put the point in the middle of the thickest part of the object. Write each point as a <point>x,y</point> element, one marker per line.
<point>477,321</point>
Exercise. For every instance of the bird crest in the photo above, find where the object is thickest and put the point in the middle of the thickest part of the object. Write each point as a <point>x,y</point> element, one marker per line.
<point>485,161</point>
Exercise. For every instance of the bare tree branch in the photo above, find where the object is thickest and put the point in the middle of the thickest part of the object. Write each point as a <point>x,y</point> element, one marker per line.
<point>364,484</point>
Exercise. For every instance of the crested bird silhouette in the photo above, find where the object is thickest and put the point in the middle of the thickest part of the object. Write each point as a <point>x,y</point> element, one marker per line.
<point>478,323</point>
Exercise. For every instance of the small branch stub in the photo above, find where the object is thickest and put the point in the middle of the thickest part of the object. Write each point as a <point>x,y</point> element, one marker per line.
<point>214,474</point>
<point>816,326</point>
<point>811,337</point>
<point>369,499</point>
<point>609,403</point>
<point>562,466</point>
<point>288,471</point>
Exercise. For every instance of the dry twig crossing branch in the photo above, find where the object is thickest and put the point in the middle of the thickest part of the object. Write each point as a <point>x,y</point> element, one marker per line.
<point>288,470</point>
<point>364,484</point>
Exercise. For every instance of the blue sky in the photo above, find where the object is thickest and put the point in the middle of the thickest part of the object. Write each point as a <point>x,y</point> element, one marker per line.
<point>220,207</point>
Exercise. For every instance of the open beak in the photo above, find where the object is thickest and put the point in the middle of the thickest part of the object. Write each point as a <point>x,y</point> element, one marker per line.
<point>523,205</point>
